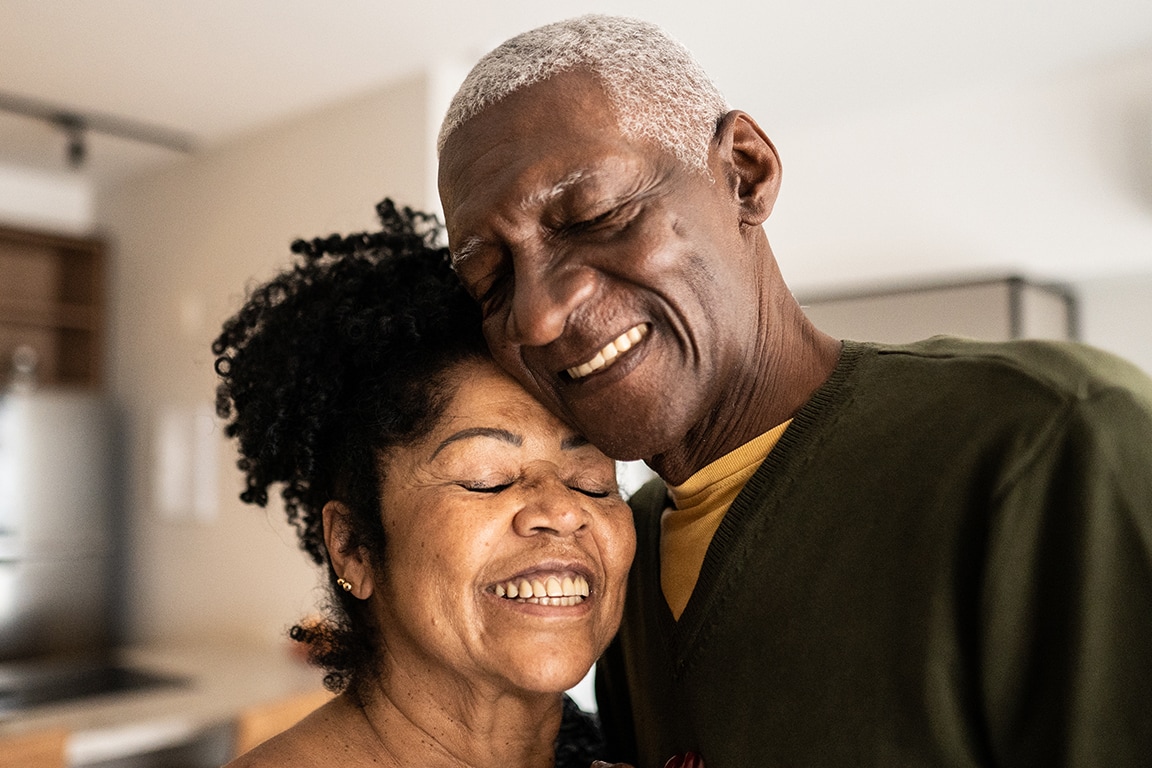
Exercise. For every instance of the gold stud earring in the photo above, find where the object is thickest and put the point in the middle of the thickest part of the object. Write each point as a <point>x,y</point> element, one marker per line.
<point>344,585</point>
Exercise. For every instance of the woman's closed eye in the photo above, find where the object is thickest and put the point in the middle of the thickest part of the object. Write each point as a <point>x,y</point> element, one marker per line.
<point>479,487</point>
<point>592,492</point>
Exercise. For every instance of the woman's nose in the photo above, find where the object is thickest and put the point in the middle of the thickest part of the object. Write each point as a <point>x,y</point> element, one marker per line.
<point>550,507</point>
<point>543,299</point>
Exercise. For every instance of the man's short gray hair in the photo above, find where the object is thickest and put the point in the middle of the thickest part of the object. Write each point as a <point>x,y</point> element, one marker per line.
<point>657,89</point>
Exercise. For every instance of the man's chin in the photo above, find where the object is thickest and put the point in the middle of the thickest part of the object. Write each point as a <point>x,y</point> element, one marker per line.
<point>638,443</point>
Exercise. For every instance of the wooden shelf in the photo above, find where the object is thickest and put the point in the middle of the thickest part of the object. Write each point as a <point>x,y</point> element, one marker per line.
<point>52,299</point>
<point>38,313</point>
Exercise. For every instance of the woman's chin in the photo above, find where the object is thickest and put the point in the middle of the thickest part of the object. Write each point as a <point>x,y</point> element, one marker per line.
<point>543,657</point>
<point>554,677</point>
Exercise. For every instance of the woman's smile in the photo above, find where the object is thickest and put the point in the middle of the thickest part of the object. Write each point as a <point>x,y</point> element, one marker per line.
<point>555,589</point>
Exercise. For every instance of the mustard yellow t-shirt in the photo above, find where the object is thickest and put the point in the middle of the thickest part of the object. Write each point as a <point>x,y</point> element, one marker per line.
<point>700,502</point>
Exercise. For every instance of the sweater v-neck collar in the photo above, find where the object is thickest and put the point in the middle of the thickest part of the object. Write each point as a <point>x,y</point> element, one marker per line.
<point>751,515</point>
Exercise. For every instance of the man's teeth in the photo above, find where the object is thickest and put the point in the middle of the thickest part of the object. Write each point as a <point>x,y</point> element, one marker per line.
<point>553,590</point>
<point>613,349</point>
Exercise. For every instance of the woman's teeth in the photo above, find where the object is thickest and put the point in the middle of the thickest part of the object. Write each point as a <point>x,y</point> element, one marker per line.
<point>612,350</point>
<point>553,590</point>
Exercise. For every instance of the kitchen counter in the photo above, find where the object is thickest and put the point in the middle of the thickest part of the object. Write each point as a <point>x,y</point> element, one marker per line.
<point>221,685</point>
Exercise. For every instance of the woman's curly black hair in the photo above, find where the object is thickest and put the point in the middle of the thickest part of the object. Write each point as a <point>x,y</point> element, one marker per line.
<point>329,364</point>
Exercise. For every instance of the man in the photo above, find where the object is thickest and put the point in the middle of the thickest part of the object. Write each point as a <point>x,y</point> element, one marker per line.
<point>937,554</point>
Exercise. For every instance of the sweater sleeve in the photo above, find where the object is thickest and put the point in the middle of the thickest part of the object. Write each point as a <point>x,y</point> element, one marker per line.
<point>1066,631</point>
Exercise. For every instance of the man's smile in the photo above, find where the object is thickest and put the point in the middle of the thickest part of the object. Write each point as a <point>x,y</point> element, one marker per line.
<point>611,352</point>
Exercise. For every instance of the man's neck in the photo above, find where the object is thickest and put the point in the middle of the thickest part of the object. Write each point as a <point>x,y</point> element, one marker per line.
<point>781,377</point>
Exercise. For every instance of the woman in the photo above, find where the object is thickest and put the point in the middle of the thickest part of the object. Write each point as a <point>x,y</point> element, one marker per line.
<point>477,547</point>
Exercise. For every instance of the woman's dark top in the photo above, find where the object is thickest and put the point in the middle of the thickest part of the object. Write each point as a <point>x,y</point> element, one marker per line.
<point>579,741</point>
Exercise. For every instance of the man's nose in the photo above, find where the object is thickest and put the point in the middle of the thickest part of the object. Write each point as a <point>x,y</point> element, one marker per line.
<point>550,507</point>
<point>543,299</point>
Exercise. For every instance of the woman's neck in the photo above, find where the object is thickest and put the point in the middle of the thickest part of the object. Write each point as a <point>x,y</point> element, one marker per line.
<point>409,720</point>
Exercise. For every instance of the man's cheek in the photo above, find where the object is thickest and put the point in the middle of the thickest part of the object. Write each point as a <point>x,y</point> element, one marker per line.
<point>493,329</point>
<point>508,357</point>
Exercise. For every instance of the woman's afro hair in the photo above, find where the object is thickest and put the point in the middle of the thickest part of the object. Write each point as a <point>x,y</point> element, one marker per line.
<point>325,367</point>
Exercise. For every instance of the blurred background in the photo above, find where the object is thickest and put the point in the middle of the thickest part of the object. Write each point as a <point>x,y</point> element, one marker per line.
<point>158,156</point>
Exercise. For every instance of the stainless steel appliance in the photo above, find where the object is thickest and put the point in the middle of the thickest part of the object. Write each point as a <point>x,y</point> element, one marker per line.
<point>60,547</point>
<point>57,542</point>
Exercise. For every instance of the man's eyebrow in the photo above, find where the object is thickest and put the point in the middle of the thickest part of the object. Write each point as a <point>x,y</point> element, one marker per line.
<point>557,189</point>
<point>466,434</point>
<point>572,442</point>
<point>468,248</point>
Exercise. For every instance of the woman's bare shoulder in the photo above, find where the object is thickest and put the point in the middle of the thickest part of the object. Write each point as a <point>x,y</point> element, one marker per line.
<point>326,737</point>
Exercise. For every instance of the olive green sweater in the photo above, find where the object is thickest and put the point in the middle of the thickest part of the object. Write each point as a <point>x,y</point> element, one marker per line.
<point>946,561</point>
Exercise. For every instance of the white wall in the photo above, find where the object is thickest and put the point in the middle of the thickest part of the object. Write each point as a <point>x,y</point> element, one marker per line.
<point>1046,179</point>
<point>184,245</point>
<point>1116,315</point>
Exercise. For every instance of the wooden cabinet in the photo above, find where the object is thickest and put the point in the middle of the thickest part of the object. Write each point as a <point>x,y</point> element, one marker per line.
<point>52,300</point>
<point>257,724</point>
<point>39,749</point>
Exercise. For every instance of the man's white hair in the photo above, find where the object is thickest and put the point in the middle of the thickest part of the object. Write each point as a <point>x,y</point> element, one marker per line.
<point>656,88</point>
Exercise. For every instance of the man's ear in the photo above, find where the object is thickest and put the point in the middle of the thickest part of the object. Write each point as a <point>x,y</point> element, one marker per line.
<point>348,561</point>
<point>751,165</point>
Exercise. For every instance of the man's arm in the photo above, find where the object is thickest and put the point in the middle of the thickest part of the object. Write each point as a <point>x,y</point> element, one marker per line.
<point>1066,630</point>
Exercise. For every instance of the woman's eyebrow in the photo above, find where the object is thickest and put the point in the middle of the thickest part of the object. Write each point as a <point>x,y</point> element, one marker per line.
<point>467,434</point>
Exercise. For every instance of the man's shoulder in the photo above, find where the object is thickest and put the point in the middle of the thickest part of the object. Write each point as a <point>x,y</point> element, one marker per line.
<point>1064,368</point>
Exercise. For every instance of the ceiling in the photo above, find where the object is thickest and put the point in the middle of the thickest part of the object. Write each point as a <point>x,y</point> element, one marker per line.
<point>219,69</point>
